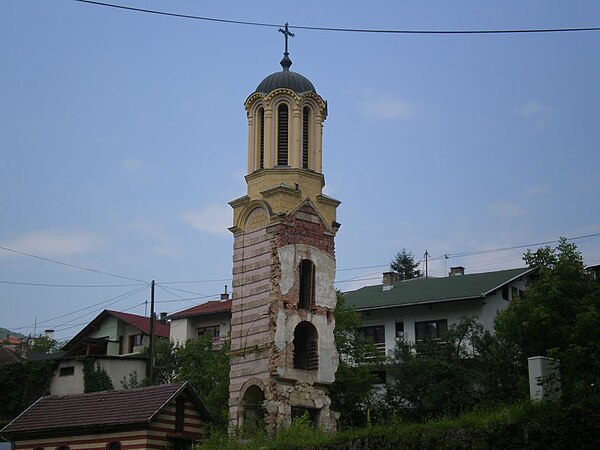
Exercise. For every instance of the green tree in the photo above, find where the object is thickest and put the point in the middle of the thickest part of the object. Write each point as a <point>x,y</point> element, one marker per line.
<point>208,372</point>
<point>436,378</point>
<point>206,368</point>
<point>405,265</point>
<point>559,316</point>
<point>167,361</point>
<point>352,394</point>
<point>43,344</point>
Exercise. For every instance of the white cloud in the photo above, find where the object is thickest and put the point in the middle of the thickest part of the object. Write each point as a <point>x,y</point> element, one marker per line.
<point>56,243</point>
<point>537,111</point>
<point>211,218</point>
<point>387,107</point>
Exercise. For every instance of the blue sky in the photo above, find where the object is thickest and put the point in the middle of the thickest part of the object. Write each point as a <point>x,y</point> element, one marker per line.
<point>123,136</point>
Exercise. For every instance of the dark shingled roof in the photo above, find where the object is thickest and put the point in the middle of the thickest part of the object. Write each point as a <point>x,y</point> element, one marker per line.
<point>286,79</point>
<point>212,307</point>
<point>98,409</point>
<point>429,290</point>
<point>8,356</point>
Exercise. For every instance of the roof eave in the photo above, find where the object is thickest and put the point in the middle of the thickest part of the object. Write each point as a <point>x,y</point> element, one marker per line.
<point>526,271</point>
<point>425,302</point>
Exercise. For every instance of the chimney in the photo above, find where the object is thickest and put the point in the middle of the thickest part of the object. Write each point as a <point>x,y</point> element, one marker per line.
<point>389,278</point>
<point>163,317</point>
<point>225,295</point>
<point>49,334</point>
<point>456,271</point>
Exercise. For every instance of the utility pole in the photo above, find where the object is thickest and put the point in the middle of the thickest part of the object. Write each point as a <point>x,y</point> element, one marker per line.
<point>426,268</point>
<point>151,346</point>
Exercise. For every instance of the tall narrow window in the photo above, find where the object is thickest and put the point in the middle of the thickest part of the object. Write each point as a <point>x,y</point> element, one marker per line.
<point>261,138</point>
<point>307,284</point>
<point>282,135</point>
<point>305,136</point>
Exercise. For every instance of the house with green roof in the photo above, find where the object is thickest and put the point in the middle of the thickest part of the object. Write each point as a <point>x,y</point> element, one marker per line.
<point>425,307</point>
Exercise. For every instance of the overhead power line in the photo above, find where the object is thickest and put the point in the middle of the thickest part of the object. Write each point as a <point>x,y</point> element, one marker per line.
<point>514,247</point>
<point>343,30</point>
<point>54,261</point>
<point>22,283</point>
<point>104,304</point>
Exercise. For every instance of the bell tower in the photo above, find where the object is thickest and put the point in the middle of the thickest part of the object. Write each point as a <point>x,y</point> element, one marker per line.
<point>283,354</point>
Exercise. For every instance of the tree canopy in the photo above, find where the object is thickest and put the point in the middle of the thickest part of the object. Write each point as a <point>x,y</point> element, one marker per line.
<point>405,266</point>
<point>559,316</point>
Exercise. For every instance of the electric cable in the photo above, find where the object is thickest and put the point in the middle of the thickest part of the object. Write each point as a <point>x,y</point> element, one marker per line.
<point>70,265</point>
<point>344,30</point>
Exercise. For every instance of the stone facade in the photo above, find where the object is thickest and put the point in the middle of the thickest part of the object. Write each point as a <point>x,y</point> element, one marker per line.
<point>266,315</point>
<point>283,354</point>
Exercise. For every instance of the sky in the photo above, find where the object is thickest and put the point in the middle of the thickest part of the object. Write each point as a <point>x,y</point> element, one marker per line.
<point>123,137</point>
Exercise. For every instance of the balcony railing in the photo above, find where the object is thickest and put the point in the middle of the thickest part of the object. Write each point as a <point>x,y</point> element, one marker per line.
<point>379,351</point>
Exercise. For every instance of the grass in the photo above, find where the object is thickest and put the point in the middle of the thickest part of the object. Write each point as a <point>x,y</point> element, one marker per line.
<point>472,430</point>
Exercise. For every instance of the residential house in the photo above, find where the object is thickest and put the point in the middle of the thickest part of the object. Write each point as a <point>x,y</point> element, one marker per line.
<point>115,333</point>
<point>11,342</point>
<point>115,341</point>
<point>425,307</point>
<point>169,416</point>
<point>213,317</point>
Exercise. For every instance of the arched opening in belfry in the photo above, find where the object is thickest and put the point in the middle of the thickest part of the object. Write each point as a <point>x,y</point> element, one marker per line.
<point>252,409</point>
<point>306,347</point>
<point>261,138</point>
<point>305,136</point>
<point>306,296</point>
<point>282,135</point>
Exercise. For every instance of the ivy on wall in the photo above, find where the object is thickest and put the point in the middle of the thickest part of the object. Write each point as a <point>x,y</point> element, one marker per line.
<point>95,378</point>
<point>21,384</point>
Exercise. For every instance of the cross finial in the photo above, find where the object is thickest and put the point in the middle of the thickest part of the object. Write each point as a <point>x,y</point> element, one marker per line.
<point>286,62</point>
<point>286,33</point>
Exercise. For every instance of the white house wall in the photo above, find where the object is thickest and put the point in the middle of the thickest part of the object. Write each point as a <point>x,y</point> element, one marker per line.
<point>180,330</point>
<point>494,303</point>
<point>187,328</point>
<point>117,369</point>
<point>409,315</point>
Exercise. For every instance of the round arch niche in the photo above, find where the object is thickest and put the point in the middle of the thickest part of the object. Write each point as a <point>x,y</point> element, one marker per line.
<point>306,347</point>
<point>252,407</point>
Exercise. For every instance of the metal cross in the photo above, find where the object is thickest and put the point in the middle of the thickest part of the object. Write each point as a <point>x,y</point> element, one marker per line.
<point>287,33</point>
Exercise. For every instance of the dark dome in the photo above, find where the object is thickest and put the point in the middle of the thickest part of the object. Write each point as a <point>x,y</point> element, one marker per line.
<point>286,79</point>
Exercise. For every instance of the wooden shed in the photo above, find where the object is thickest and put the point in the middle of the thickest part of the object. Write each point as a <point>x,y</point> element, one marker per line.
<point>164,417</point>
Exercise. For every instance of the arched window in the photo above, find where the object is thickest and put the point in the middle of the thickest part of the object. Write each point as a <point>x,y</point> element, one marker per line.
<point>307,284</point>
<point>63,447</point>
<point>305,136</point>
<point>261,138</point>
<point>282,135</point>
<point>306,347</point>
<point>114,446</point>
